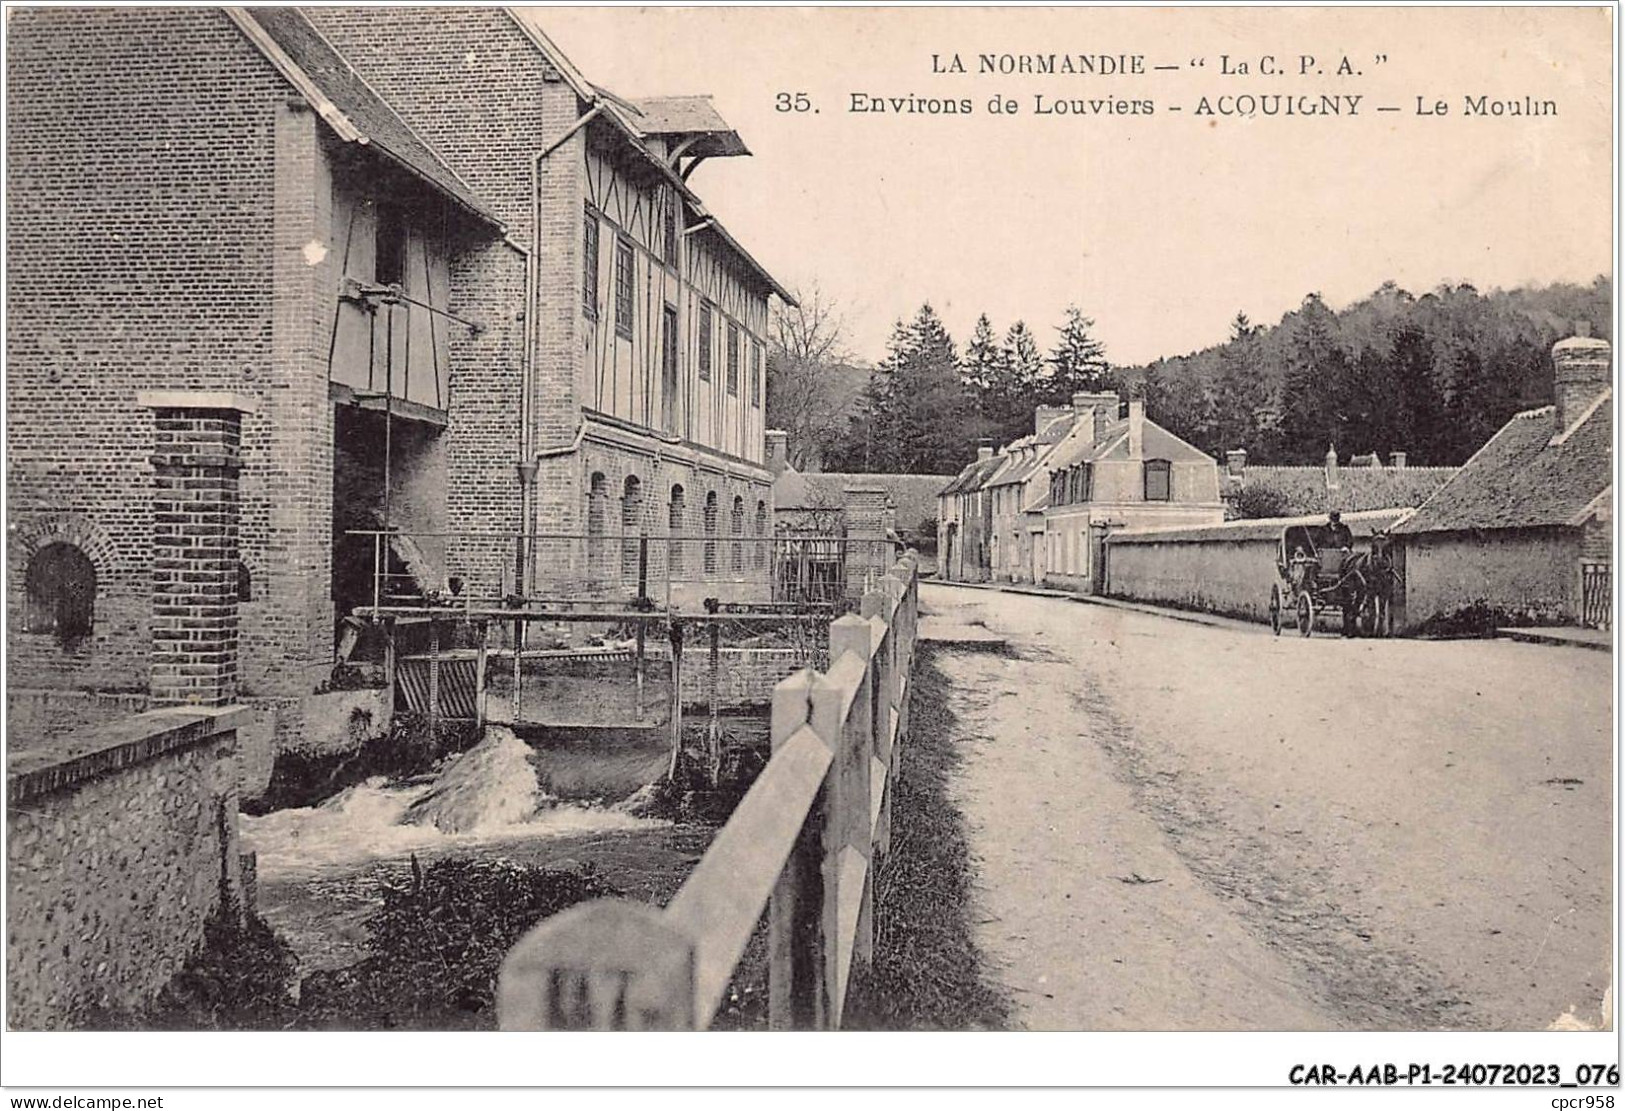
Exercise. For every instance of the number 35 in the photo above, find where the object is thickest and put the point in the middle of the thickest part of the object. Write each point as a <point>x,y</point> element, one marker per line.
<point>792,102</point>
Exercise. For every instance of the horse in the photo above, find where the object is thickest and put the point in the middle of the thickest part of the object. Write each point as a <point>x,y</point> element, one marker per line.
<point>1370,582</point>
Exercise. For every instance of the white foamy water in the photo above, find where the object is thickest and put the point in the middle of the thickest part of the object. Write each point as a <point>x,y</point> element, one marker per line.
<point>487,795</point>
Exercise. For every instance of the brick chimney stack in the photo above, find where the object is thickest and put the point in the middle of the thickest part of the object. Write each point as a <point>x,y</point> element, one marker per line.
<point>984,450</point>
<point>778,450</point>
<point>1396,460</point>
<point>1136,429</point>
<point>1235,461</point>
<point>1583,365</point>
<point>1044,414</point>
<point>1104,407</point>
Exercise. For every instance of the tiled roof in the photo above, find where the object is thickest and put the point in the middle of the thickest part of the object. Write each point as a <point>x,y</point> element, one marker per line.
<point>1521,479</point>
<point>1361,524</point>
<point>913,495</point>
<point>1156,443</point>
<point>363,113</point>
<point>975,475</point>
<point>1304,489</point>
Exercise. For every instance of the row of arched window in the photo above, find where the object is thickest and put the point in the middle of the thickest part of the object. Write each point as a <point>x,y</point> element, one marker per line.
<point>679,529</point>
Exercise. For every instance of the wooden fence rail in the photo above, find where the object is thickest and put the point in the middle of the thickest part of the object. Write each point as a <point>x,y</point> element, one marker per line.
<point>803,843</point>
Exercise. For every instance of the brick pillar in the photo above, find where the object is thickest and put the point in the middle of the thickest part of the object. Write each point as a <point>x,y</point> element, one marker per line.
<point>197,453</point>
<point>867,556</point>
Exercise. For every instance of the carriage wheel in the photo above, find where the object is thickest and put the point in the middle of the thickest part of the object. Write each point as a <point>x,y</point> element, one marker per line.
<point>1306,614</point>
<point>1275,608</point>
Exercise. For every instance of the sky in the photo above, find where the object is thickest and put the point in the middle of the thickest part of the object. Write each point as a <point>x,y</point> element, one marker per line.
<point>1161,227</point>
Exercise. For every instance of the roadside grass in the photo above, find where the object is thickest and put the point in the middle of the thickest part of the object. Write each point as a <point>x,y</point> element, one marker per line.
<point>927,972</point>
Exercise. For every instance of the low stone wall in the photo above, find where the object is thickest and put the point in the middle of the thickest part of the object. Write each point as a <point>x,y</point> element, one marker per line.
<point>1227,569</point>
<point>119,838</point>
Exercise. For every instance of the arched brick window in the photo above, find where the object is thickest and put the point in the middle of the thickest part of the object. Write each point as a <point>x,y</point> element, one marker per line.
<point>711,532</point>
<point>761,535</point>
<point>597,520</point>
<point>676,524</point>
<point>61,584</point>
<point>631,525</point>
<point>737,527</point>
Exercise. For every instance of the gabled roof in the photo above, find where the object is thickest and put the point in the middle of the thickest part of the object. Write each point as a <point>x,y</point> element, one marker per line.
<point>624,116</point>
<point>1530,474</point>
<point>913,495</point>
<point>350,106</point>
<point>975,475</point>
<point>1112,445</point>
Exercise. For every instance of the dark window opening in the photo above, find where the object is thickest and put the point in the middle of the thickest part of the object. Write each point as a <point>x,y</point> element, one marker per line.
<point>670,245</point>
<point>245,583</point>
<point>705,343</point>
<point>756,375</point>
<point>389,257</point>
<point>668,367</point>
<point>623,289</point>
<point>710,519</point>
<point>1158,480</point>
<point>61,584</point>
<point>589,263</point>
<point>733,359</point>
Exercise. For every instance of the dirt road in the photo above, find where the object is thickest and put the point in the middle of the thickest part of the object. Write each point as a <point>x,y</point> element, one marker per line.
<point>1181,827</point>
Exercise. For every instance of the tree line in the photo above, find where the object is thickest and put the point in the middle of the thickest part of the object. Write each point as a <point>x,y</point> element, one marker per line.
<point>1434,376</point>
<point>924,407</point>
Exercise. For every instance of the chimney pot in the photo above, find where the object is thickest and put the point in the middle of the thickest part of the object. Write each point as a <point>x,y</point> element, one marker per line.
<point>1331,467</point>
<point>1583,367</point>
<point>1396,460</point>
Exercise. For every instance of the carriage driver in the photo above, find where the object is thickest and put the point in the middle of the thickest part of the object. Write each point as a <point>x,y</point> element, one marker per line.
<point>1338,535</point>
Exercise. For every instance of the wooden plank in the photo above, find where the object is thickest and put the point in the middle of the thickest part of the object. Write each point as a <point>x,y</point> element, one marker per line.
<point>724,896</point>
<point>854,874</point>
<point>877,792</point>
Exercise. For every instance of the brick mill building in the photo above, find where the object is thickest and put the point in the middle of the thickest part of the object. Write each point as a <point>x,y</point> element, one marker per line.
<point>358,269</point>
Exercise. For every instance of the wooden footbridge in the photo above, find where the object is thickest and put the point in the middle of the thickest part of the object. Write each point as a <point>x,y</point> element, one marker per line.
<point>804,843</point>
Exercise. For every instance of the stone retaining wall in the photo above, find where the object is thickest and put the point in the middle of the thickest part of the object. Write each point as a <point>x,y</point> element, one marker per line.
<point>119,841</point>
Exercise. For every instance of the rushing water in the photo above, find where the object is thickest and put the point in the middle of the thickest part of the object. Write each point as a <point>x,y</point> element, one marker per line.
<point>486,795</point>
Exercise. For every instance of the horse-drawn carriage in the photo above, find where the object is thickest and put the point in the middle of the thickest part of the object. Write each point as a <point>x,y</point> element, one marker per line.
<point>1317,573</point>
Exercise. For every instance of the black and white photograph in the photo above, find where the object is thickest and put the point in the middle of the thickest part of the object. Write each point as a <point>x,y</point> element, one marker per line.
<point>971,521</point>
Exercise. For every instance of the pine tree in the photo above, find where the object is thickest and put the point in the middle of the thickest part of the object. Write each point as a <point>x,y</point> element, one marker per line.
<point>1078,363</point>
<point>914,414</point>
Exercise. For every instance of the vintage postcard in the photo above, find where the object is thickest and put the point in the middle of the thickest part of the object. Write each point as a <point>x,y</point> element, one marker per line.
<point>955,519</point>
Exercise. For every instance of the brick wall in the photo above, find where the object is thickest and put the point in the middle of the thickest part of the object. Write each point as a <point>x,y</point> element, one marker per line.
<point>115,857</point>
<point>140,154</point>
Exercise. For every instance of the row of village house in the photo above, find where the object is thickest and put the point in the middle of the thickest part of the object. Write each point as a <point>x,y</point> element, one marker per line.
<point>1101,499</point>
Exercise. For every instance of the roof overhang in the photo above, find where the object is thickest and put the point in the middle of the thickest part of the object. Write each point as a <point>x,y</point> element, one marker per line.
<point>620,116</point>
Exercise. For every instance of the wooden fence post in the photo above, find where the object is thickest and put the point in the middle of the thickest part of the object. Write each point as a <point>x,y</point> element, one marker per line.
<point>795,941</point>
<point>850,636</point>
<point>610,964</point>
<point>824,716</point>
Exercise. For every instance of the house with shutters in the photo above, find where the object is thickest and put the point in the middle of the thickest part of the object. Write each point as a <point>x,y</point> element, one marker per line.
<point>1525,528</point>
<point>1114,472</point>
